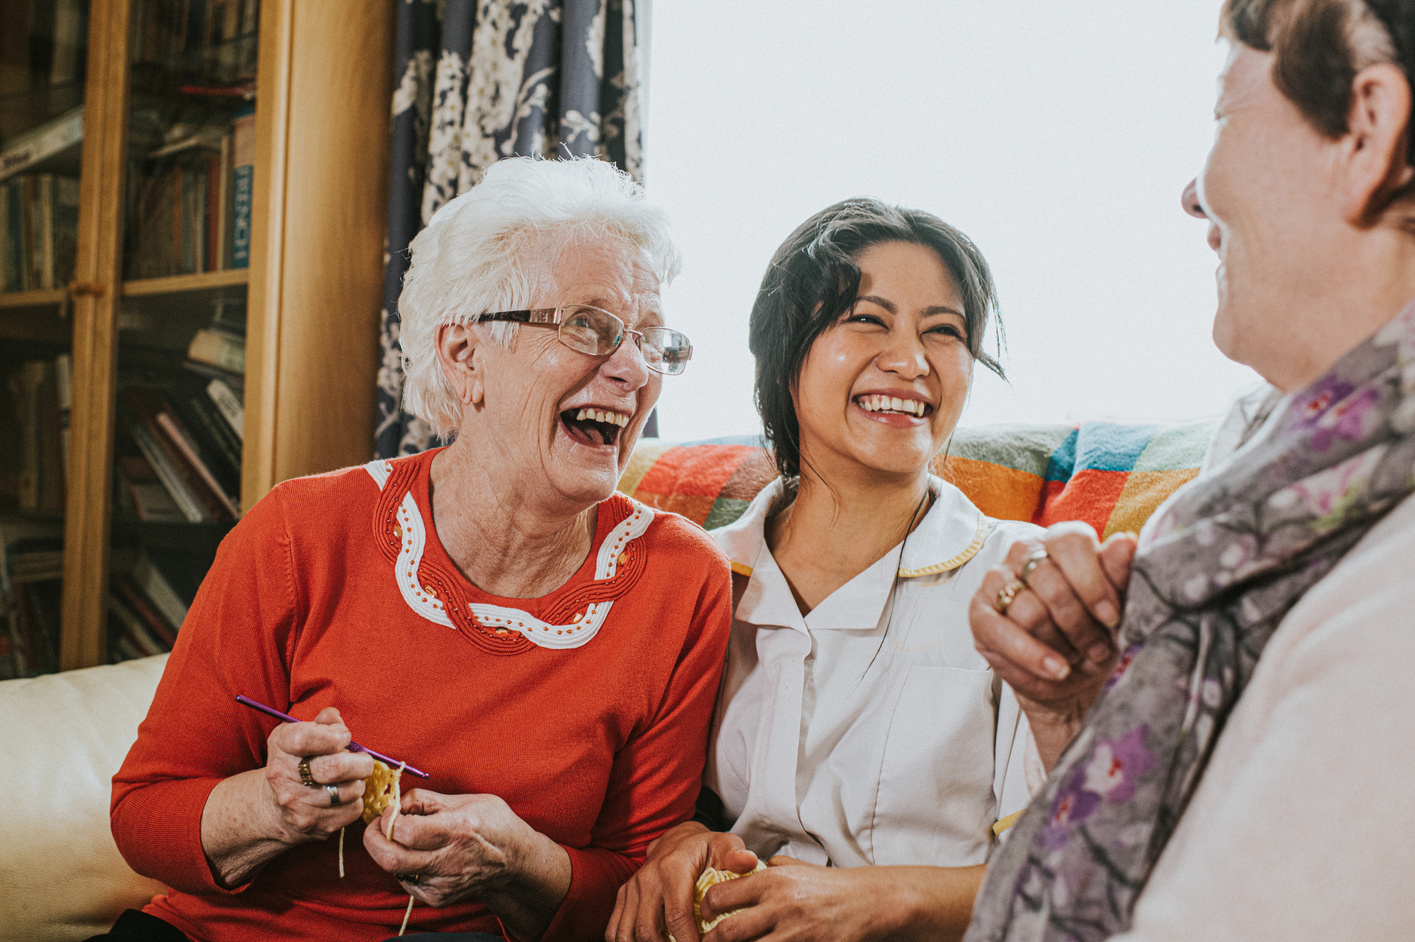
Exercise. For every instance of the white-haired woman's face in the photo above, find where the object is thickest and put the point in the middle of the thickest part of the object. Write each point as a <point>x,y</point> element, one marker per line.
<point>564,420</point>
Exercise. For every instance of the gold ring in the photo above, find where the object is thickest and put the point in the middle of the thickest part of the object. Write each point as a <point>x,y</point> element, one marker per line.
<point>412,878</point>
<point>305,775</point>
<point>1033,561</point>
<point>1007,594</point>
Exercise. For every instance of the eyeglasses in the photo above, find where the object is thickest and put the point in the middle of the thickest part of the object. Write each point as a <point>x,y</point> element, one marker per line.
<point>588,329</point>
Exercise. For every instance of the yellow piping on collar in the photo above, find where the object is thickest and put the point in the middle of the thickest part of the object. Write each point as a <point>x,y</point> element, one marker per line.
<point>984,525</point>
<point>1006,823</point>
<point>742,569</point>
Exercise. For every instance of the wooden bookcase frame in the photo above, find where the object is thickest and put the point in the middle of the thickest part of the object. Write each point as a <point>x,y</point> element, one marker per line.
<point>315,281</point>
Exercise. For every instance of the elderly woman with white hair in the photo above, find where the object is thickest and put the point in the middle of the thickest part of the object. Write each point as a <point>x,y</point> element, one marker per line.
<point>491,613</point>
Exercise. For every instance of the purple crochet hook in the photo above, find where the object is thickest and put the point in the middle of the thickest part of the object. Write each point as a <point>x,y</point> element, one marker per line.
<point>352,747</point>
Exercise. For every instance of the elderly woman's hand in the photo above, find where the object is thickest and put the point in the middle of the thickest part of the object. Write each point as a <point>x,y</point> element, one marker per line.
<point>445,848</point>
<point>660,895</point>
<point>309,812</point>
<point>253,817</point>
<point>1054,642</point>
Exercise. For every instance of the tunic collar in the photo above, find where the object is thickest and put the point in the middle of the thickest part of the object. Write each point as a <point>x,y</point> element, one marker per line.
<point>950,534</point>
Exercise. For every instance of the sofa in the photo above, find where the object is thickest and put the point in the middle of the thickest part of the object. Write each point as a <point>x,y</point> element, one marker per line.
<point>64,735</point>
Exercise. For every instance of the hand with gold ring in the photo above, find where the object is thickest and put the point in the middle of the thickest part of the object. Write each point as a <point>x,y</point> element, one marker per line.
<point>1044,619</point>
<point>309,788</point>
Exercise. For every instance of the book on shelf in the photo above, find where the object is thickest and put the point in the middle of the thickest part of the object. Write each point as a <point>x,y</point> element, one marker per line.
<point>203,460</point>
<point>31,568</point>
<point>49,139</point>
<point>219,348</point>
<point>168,580</point>
<point>142,492</point>
<point>36,479</point>
<point>139,604</point>
<point>129,628</point>
<point>39,225</point>
<point>137,410</point>
<point>200,414</point>
<point>242,186</point>
<point>229,405</point>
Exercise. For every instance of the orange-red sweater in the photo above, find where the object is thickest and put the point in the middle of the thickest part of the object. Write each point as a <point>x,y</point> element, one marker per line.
<point>600,747</point>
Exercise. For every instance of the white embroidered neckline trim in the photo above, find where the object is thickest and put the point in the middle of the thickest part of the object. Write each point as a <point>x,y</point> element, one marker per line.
<point>539,633</point>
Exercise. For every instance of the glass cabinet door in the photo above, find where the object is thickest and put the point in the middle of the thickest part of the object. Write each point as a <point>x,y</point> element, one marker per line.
<point>181,320</point>
<point>43,62</point>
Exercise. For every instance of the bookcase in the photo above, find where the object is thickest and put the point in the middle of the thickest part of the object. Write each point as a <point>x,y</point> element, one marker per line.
<point>231,207</point>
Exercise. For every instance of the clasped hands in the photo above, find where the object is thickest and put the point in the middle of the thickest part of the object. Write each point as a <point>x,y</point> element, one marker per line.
<point>788,900</point>
<point>1050,634</point>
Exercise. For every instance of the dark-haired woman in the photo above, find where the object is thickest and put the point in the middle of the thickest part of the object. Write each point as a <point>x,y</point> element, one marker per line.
<point>860,744</point>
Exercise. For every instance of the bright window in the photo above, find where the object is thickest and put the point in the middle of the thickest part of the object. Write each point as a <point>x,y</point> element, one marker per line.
<point>1057,135</point>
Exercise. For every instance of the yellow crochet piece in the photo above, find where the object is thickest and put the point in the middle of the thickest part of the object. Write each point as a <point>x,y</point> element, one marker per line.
<point>381,791</point>
<point>709,877</point>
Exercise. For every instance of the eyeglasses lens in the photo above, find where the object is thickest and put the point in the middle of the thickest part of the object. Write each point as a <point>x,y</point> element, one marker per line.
<point>666,351</point>
<point>599,333</point>
<point>590,330</point>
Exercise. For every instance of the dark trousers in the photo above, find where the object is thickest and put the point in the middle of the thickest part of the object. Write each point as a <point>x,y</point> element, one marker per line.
<point>135,926</point>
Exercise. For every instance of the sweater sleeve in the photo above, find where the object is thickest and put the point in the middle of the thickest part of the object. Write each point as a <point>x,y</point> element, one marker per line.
<point>656,776</point>
<point>234,640</point>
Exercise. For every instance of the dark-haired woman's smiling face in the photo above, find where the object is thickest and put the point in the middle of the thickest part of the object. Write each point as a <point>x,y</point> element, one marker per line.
<point>882,388</point>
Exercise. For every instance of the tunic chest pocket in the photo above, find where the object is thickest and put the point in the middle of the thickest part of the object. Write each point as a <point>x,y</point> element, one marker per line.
<point>935,804</point>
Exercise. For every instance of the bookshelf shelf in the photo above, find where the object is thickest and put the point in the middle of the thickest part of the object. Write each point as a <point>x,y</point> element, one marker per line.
<point>314,202</point>
<point>173,284</point>
<point>11,300</point>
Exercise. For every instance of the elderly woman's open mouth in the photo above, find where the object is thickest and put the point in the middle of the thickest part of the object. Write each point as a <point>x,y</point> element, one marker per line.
<point>594,426</point>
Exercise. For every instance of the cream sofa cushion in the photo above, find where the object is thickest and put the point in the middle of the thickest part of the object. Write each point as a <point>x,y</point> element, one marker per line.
<point>62,737</point>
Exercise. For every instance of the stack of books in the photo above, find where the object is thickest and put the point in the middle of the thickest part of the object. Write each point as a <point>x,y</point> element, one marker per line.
<point>39,231</point>
<point>149,593</point>
<point>191,210</point>
<point>39,211</point>
<point>185,461</point>
<point>209,39</point>
<point>38,396</point>
<point>31,567</point>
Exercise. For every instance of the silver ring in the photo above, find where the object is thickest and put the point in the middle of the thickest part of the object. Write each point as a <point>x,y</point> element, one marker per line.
<point>1033,561</point>
<point>306,775</point>
<point>333,795</point>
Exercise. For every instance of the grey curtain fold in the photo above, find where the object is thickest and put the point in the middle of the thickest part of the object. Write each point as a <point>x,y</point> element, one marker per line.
<point>479,80</point>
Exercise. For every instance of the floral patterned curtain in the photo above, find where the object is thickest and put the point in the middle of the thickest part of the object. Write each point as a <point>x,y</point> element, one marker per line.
<point>478,80</point>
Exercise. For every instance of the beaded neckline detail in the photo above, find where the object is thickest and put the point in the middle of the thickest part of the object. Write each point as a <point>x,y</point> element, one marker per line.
<point>573,617</point>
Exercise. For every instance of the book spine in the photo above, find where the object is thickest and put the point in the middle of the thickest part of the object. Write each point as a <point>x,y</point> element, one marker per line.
<point>242,179</point>
<point>60,134</point>
<point>164,632</point>
<point>64,389</point>
<point>132,628</point>
<point>214,438</point>
<point>230,406</point>
<point>44,238</point>
<point>183,441</point>
<point>221,257</point>
<point>66,229</point>
<point>147,407</point>
<point>171,479</point>
<point>157,590</point>
<point>218,349</point>
<point>25,189</point>
<point>8,281</point>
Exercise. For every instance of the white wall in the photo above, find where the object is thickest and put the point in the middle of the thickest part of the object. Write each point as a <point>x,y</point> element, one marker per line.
<point>1056,134</point>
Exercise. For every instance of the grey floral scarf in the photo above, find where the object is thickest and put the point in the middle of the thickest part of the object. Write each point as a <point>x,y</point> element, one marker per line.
<point>1223,562</point>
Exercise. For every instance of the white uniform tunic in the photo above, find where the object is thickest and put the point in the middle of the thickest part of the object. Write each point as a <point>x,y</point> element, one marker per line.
<point>870,731</point>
